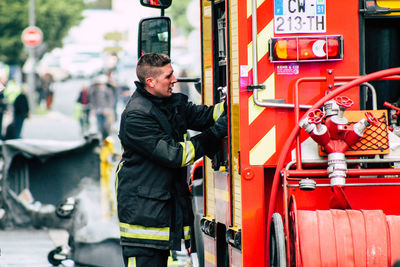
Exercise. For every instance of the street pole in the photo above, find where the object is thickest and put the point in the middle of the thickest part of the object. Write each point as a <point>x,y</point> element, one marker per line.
<point>31,59</point>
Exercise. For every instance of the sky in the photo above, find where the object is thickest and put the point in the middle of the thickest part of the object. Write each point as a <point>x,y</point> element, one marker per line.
<point>125,18</point>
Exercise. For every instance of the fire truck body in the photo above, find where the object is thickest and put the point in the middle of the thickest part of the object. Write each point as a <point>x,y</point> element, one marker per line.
<point>280,195</point>
<point>261,93</point>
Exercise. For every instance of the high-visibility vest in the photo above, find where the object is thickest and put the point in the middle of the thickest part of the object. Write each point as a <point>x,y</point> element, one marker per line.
<point>12,90</point>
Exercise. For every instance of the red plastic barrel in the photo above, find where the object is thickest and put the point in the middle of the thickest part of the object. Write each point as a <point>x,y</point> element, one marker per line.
<point>347,238</point>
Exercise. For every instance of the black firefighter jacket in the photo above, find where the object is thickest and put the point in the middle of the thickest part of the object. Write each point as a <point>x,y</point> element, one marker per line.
<point>154,206</point>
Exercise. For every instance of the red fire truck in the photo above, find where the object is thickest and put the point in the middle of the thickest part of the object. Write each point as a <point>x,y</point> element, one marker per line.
<point>308,175</point>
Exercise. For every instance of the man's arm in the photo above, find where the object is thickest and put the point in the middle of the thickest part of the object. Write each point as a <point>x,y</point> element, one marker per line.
<point>143,135</point>
<point>201,117</point>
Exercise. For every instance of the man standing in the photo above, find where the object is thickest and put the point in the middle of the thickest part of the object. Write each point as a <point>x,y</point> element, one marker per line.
<point>101,101</point>
<point>154,206</point>
<point>46,88</point>
<point>21,112</point>
<point>82,105</point>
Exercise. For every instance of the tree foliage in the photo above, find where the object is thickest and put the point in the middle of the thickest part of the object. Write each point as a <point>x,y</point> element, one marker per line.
<point>53,17</point>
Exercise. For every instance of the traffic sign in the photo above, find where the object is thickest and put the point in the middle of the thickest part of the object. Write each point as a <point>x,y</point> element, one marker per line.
<point>114,36</point>
<point>32,36</point>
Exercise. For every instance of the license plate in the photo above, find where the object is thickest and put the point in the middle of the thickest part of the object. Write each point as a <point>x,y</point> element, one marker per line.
<point>299,16</point>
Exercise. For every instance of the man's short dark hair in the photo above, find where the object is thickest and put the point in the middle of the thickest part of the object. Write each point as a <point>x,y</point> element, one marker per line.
<point>148,64</point>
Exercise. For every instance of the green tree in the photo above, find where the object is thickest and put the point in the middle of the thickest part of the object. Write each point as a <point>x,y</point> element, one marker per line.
<point>53,17</point>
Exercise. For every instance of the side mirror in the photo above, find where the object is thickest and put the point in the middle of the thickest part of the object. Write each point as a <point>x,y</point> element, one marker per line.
<point>162,4</point>
<point>154,36</point>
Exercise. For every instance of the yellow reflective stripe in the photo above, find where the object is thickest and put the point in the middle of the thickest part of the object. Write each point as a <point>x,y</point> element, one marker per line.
<point>210,258</point>
<point>186,232</point>
<point>265,94</point>
<point>250,7</point>
<point>264,149</point>
<point>218,110</point>
<point>187,153</point>
<point>262,38</point>
<point>132,262</point>
<point>142,232</point>
<point>116,176</point>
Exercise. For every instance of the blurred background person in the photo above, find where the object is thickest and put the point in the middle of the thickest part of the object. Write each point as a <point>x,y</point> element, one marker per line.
<point>12,94</point>
<point>45,90</point>
<point>4,74</point>
<point>101,102</point>
<point>83,109</point>
<point>126,94</point>
<point>3,108</point>
<point>115,90</point>
<point>21,112</point>
<point>38,89</point>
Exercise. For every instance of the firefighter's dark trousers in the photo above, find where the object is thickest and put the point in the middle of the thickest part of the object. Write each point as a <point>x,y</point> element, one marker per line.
<point>146,261</point>
<point>145,257</point>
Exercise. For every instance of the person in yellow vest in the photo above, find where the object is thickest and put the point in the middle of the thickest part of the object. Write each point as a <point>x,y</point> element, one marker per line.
<point>12,90</point>
<point>13,94</point>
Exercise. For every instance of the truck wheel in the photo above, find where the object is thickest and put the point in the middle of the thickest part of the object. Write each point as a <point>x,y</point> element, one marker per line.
<point>277,248</point>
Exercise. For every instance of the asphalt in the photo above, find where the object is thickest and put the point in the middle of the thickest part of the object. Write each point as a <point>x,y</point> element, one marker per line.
<point>28,247</point>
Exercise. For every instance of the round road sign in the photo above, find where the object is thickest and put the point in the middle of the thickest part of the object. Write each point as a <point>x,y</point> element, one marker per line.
<point>32,36</point>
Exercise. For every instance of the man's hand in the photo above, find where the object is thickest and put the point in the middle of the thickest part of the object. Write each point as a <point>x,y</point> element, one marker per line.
<point>220,128</point>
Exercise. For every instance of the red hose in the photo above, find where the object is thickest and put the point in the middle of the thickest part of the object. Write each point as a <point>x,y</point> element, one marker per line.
<point>286,147</point>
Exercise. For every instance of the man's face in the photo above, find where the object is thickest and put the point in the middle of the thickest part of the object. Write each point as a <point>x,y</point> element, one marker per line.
<point>161,85</point>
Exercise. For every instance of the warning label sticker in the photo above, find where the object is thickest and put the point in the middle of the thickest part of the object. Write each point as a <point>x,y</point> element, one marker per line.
<point>289,69</point>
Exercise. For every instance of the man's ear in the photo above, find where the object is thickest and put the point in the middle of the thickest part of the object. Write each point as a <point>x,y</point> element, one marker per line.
<point>150,81</point>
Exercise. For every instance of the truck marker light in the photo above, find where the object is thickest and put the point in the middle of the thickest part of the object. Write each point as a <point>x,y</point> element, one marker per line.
<point>318,48</point>
<point>307,48</point>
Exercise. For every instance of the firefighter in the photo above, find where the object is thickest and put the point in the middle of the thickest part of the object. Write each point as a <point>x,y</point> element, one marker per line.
<point>154,206</point>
